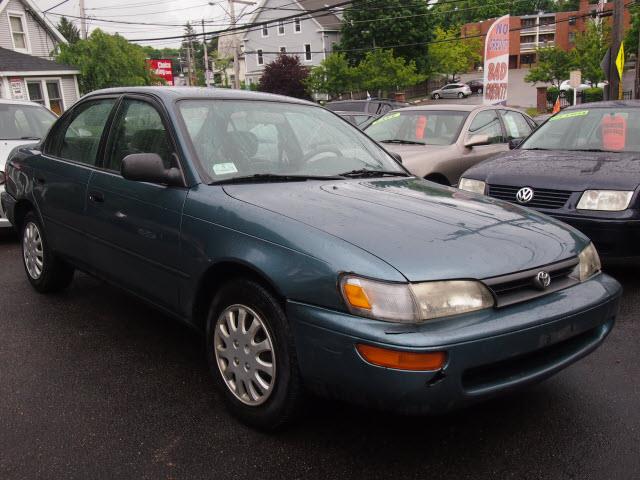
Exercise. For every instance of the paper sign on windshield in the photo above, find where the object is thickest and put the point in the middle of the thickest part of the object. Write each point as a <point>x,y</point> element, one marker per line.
<point>614,132</point>
<point>496,62</point>
<point>561,116</point>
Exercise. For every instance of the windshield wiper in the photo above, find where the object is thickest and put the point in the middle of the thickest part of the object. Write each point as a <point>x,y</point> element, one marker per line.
<point>373,173</point>
<point>272,177</point>
<point>592,150</point>
<point>29,138</point>
<point>402,142</point>
<point>536,148</point>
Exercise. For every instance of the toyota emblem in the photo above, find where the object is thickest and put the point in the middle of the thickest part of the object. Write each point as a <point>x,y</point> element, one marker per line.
<point>542,280</point>
<point>524,195</point>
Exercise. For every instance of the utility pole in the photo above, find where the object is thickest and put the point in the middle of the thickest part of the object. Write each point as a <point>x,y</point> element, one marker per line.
<point>236,43</point>
<point>83,20</point>
<point>206,56</point>
<point>617,34</point>
<point>638,69</point>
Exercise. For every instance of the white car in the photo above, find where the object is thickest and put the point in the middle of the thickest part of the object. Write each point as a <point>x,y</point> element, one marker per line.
<point>21,123</point>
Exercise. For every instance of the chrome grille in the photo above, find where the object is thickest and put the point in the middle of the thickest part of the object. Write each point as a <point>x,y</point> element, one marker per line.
<point>542,197</point>
<point>519,287</point>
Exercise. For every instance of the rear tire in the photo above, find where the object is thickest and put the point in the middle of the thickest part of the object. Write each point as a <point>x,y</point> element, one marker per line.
<point>46,272</point>
<point>480,91</point>
<point>252,356</point>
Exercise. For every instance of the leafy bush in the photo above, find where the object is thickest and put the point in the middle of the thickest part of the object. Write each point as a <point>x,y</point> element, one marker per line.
<point>592,95</point>
<point>285,76</point>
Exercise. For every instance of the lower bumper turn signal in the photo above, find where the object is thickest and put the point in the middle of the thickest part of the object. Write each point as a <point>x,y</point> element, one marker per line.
<point>399,360</point>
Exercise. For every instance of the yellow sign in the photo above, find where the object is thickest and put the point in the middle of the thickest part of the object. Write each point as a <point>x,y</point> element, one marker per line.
<point>620,60</point>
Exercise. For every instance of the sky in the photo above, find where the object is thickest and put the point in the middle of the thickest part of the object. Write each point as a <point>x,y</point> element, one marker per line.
<point>171,15</point>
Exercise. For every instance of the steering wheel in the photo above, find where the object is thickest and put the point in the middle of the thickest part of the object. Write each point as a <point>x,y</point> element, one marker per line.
<point>309,157</point>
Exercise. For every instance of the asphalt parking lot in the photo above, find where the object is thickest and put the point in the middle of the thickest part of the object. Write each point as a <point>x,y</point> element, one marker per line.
<point>93,384</point>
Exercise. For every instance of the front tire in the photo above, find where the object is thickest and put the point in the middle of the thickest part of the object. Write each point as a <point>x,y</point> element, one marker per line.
<point>252,355</point>
<point>436,96</point>
<point>46,272</point>
<point>461,95</point>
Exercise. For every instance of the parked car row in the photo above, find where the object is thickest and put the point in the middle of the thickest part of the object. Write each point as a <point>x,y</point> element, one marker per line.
<point>307,255</point>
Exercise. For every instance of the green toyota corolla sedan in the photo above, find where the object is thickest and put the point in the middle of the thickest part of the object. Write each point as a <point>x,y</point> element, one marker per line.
<point>308,257</point>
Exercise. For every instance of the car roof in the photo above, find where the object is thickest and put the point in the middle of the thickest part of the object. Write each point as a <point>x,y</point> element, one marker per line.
<point>171,94</point>
<point>19,102</point>
<point>607,104</point>
<point>453,107</point>
<point>364,100</point>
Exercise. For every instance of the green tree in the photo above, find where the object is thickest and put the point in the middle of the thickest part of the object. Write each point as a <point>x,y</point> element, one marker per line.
<point>285,76</point>
<point>68,30</point>
<point>106,61</point>
<point>381,71</point>
<point>450,14</point>
<point>554,65</point>
<point>222,64</point>
<point>384,23</point>
<point>334,76</point>
<point>631,39</point>
<point>567,5</point>
<point>454,57</point>
<point>591,47</point>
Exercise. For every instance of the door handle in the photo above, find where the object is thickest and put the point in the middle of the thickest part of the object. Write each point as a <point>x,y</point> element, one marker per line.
<point>96,197</point>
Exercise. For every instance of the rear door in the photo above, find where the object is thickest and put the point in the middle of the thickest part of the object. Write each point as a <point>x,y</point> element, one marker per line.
<point>62,173</point>
<point>135,226</point>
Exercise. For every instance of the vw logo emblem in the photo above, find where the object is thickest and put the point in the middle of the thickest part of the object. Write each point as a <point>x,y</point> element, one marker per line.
<point>524,195</point>
<point>542,280</point>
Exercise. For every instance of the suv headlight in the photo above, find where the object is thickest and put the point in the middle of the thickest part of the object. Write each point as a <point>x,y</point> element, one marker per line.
<point>413,302</point>
<point>470,185</point>
<point>605,200</point>
<point>589,264</point>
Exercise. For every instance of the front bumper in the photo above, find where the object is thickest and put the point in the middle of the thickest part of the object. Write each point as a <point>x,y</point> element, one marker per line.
<point>488,352</point>
<point>614,238</point>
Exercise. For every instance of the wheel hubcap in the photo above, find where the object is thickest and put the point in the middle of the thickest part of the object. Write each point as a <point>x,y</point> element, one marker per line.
<point>244,354</point>
<point>32,250</point>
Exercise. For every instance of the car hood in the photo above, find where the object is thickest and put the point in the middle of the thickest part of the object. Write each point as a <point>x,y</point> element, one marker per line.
<point>413,153</point>
<point>424,231</point>
<point>561,170</point>
<point>7,145</point>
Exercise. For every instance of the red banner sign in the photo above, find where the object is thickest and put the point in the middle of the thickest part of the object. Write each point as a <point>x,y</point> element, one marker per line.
<point>162,69</point>
<point>496,62</point>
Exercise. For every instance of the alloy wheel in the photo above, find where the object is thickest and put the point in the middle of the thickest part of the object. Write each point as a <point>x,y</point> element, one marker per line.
<point>32,250</point>
<point>245,354</point>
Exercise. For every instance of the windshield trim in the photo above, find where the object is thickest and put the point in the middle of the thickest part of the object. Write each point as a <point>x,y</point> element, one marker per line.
<point>207,179</point>
<point>465,117</point>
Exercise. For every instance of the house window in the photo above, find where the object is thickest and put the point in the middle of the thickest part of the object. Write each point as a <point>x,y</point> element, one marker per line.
<point>572,20</point>
<point>265,30</point>
<point>307,53</point>
<point>260,57</point>
<point>283,50</point>
<point>281,27</point>
<point>572,37</point>
<point>47,93</point>
<point>297,27</point>
<point>18,32</point>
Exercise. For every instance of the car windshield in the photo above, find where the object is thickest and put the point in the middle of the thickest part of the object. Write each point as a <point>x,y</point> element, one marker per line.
<point>261,138</point>
<point>428,127</point>
<point>589,129</point>
<point>24,122</point>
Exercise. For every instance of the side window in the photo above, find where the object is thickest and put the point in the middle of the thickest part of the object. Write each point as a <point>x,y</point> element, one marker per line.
<point>79,140</point>
<point>138,128</point>
<point>515,124</point>
<point>487,123</point>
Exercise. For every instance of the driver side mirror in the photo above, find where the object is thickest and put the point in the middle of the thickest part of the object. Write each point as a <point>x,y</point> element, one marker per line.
<point>514,142</point>
<point>397,157</point>
<point>477,140</point>
<point>149,167</point>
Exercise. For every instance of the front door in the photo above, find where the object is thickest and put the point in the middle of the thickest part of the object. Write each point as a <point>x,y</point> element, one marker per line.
<point>63,173</point>
<point>135,226</point>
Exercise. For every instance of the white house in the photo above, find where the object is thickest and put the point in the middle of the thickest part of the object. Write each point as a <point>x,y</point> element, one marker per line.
<point>311,37</point>
<point>28,41</point>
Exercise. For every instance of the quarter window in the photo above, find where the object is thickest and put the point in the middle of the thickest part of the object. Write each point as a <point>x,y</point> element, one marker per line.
<point>487,123</point>
<point>138,129</point>
<point>81,137</point>
<point>18,32</point>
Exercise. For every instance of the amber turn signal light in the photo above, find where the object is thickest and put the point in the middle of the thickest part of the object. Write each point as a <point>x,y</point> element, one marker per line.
<point>399,360</point>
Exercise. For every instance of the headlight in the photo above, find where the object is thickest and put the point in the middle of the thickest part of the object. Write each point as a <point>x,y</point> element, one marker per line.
<point>589,264</point>
<point>413,303</point>
<point>606,200</point>
<point>470,185</point>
